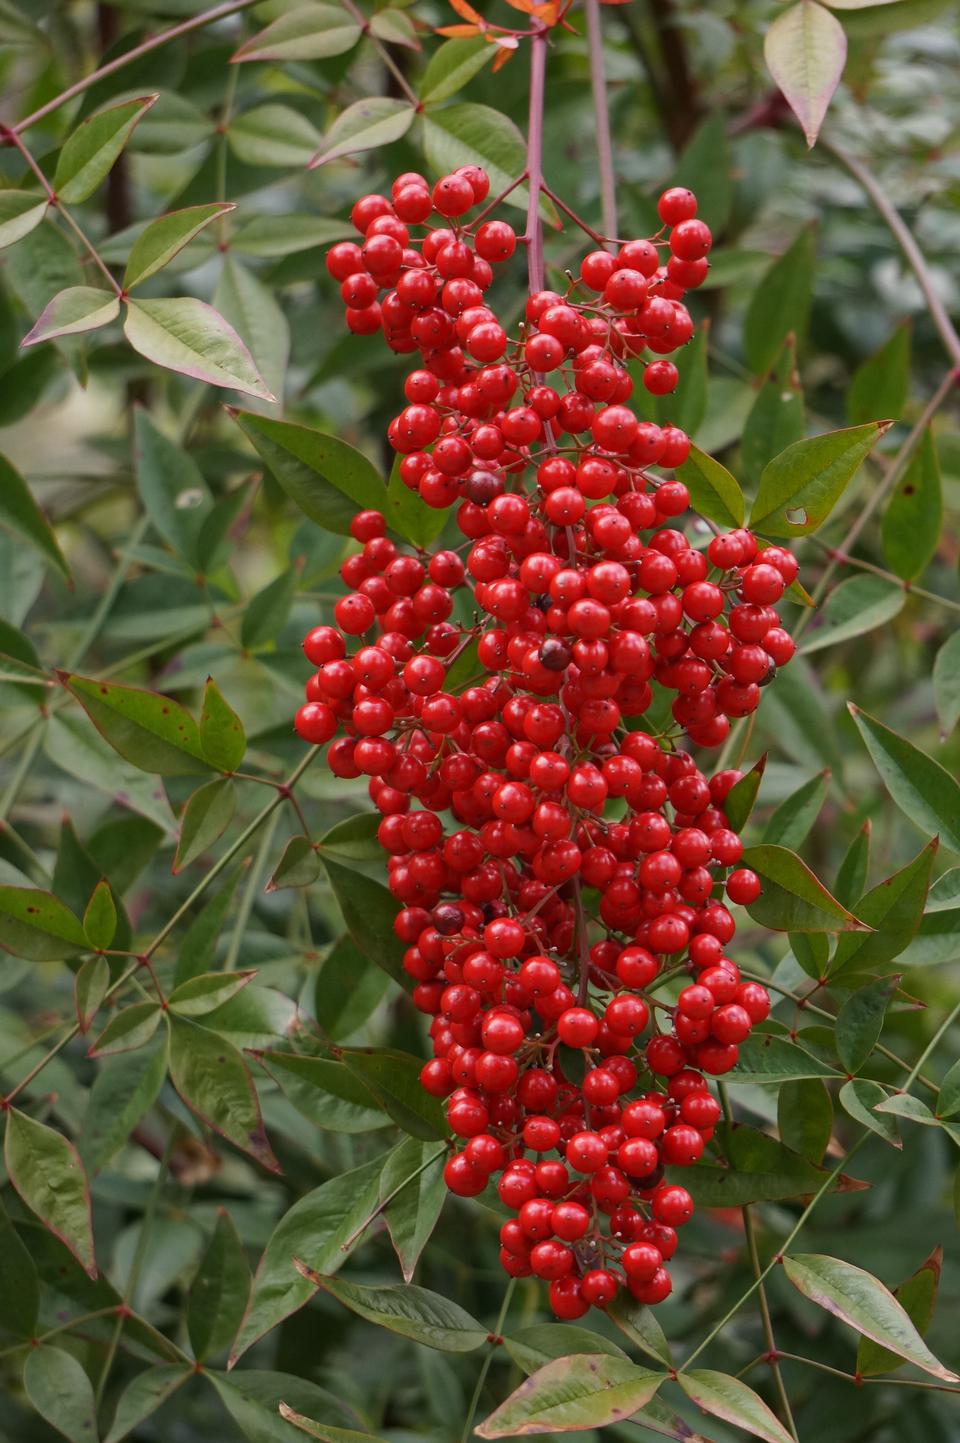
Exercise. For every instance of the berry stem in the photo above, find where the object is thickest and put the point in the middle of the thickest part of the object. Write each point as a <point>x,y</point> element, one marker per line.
<point>485,1367</point>
<point>601,114</point>
<point>534,231</point>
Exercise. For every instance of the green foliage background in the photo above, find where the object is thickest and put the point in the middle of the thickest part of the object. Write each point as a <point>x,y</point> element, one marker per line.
<point>178,556</point>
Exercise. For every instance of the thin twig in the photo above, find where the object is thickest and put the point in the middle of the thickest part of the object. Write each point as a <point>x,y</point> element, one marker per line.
<point>534,231</point>
<point>495,1341</point>
<point>601,117</point>
<point>384,53</point>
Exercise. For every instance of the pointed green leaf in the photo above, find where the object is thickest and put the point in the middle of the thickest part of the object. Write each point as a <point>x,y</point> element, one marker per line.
<point>586,1390</point>
<point>911,526</point>
<point>61,1392</point>
<point>273,135</point>
<point>854,869</point>
<point>805,1117</point>
<point>640,1325</point>
<point>349,988</point>
<point>705,168</point>
<point>124,1090</point>
<point>531,1348</point>
<point>894,908</point>
<point>36,925</point>
<point>253,1398</point>
<point>776,417</point>
<point>165,237</point>
<point>759,1168</point>
<point>128,1029</point>
<point>19,1283</point>
<point>857,605</point>
<point>89,154</point>
<point>409,516</point>
<point>152,731</point>
<point>299,866</point>
<point>918,1297</point>
<point>418,1193</point>
<point>793,899</point>
<point>172,488</point>
<point>79,308</point>
<point>20,213</point>
<point>252,309</point>
<point>765,1057</point>
<point>143,1395</point>
<point>793,819</point>
<point>416,1313</point>
<point>45,1170</point>
<point>206,817</point>
<point>452,67</point>
<point>219,1293</point>
<point>860,1022</point>
<point>325,1092</point>
<point>880,384</point>
<point>100,918</point>
<point>714,493</point>
<point>326,1431</point>
<point>208,991</point>
<point>948,1102</point>
<point>266,613</point>
<point>741,798</point>
<point>780,305</point>
<point>805,49</point>
<point>317,1228</point>
<point>365,125</point>
<point>328,479</point>
<point>199,944</point>
<point>727,1398</point>
<point>215,1083</point>
<point>905,1105</point>
<point>946,683</point>
<point>922,789</point>
<point>394,1079</point>
<point>21,514</point>
<point>394,26</point>
<point>859,1098</point>
<point>368,911</point>
<point>309,32</point>
<point>811,951</point>
<point>221,730</point>
<point>188,336</point>
<point>800,487</point>
<point>858,1298</point>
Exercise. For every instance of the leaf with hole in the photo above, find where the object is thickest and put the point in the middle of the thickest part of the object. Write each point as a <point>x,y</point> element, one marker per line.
<point>856,1297</point>
<point>800,487</point>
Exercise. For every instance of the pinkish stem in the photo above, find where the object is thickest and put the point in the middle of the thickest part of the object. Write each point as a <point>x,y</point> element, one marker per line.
<point>534,231</point>
<point>601,115</point>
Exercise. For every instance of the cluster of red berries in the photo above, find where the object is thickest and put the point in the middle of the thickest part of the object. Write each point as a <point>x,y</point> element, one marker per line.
<point>585,863</point>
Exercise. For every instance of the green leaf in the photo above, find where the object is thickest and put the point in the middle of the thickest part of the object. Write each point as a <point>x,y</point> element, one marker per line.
<point>152,731</point>
<point>273,135</point>
<point>328,479</point>
<point>739,801</point>
<point>705,168</point>
<point>805,49</point>
<point>714,493</point>
<point>21,514</point>
<point>316,1228</point>
<point>640,1325</point>
<point>74,746</point>
<point>394,1079</point>
<point>221,730</point>
<point>325,1092</point>
<point>780,305</point>
<point>349,989</point>
<point>903,1104</point>
<point>469,134</point>
<point>266,613</point>
<point>860,1022</point>
<point>452,67</point>
<point>353,841</point>
<point>199,943</point>
<point>206,817</point>
<point>894,909</point>
<point>759,1169</point>
<point>45,1170</point>
<point>368,912</point>
<point>922,789</point>
<point>881,383</point>
<point>89,154</point>
<point>414,1211</point>
<point>541,1343</point>
<point>298,867</point>
<point>765,1057</point>
<point>416,1313</point>
<point>395,27</point>
<point>143,1395</point>
<point>284,235</point>
<point>173,490</point>
<point>310,32</point>
<point>124,1090</point>
<point>946,683</point>
<point>793,899</point>
<point>367,124</point>
<point>20,213</point>
<point>250,307</point>
<point>198,995</point>
<point>325,1431</point>
<point>100,918</point>
<point>793,819</point>
<point>19,1283</point>
<point>853,870</point>
<point>805,1117</point>
<point>857,605</point>
<point>811,951</point>
<point>188,336</point>
<point>215,1083</point>
<point>79,308</point>
<point>948,1102</point>
<point>859,1098</point>
<point>776,417</point>
<point>36,925</point>
<point>128,1029</point>
<point>410,517</point>
<point>911,526</point>
<point>917,1295</point>
<point>858,1298</point>
<point>724,1397</point>
<point>586,1390</point>
<point>800,487</point>
<point>219,1293</point>
<point>253,1399</point>
<point>165,237</point>
<point>61,1392</point>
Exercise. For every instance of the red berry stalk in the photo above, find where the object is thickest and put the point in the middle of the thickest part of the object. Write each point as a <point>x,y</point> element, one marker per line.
<point>563,873</point>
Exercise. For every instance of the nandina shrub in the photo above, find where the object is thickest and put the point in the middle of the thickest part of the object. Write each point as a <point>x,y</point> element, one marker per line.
<point>509,938</point>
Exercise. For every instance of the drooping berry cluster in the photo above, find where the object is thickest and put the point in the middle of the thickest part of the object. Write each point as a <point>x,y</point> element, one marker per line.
<point>560,871</point>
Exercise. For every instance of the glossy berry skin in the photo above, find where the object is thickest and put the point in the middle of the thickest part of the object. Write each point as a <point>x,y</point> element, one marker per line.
<point>566,877</point>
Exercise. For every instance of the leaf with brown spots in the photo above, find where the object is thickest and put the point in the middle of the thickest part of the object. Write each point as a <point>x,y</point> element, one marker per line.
<point>152,731</point>
<point>37,925</point>
<point>586,1390</point>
